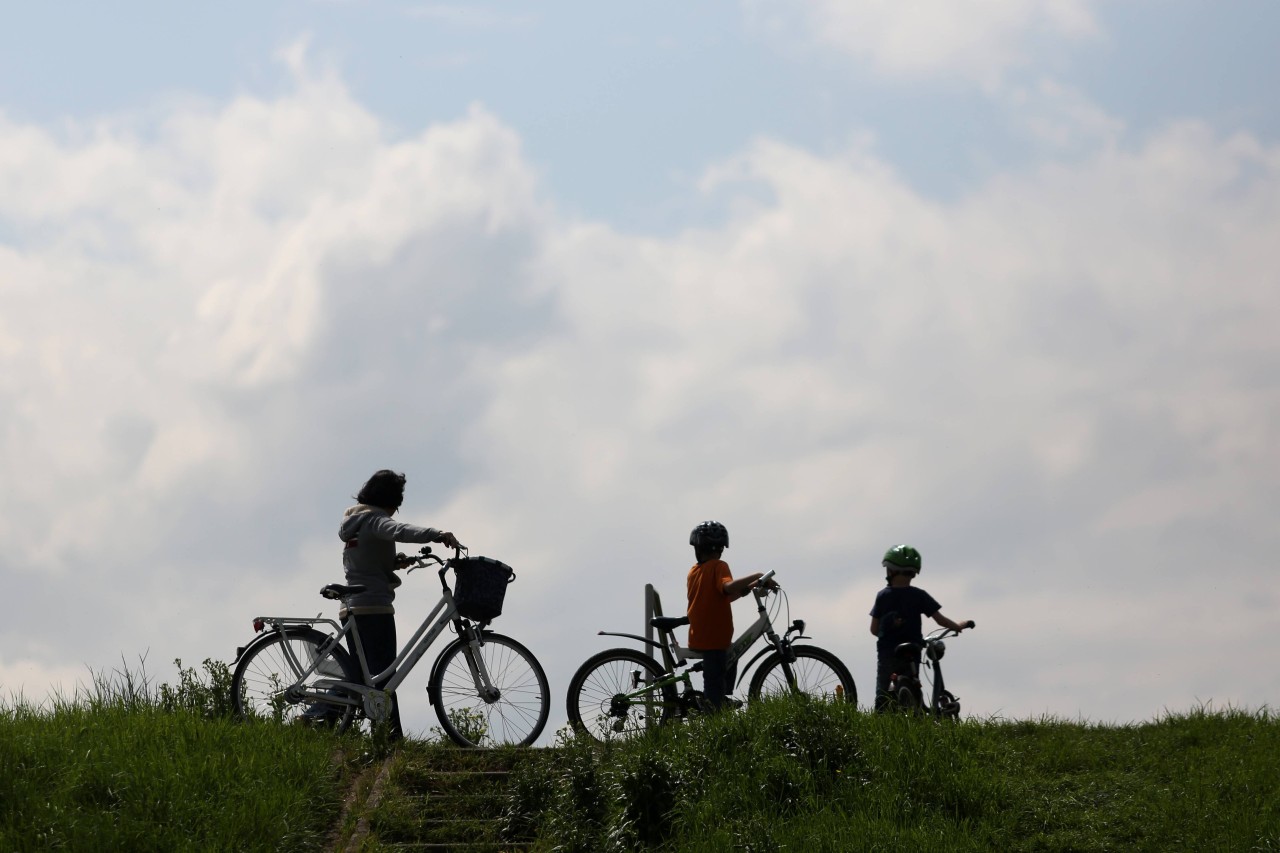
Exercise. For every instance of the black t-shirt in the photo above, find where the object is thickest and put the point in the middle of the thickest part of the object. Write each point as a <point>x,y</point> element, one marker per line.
<point>909,603</point>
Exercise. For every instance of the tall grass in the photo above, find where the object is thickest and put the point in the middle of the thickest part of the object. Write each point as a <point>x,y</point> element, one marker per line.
<point>815,776</point>
<point>123,765</point>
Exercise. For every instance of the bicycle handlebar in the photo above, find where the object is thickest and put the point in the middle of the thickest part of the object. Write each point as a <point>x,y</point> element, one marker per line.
<point>948,633</point>
<point>425,557</point>
<point>766,584</point>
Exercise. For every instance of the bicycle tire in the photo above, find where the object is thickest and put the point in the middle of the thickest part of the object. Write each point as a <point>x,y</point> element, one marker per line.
<point>515,718</point>
<point>908,699</point>
<point>597,701</point>
<point>947,706</point>
<point>264,671</point>
<point>817,672</point>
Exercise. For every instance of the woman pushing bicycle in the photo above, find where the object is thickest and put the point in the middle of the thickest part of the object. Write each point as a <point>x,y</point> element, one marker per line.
<point>370,560</point>
<point>895,617</point>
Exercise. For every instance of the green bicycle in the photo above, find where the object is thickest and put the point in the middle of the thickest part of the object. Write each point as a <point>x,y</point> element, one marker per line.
<point>621,692</point>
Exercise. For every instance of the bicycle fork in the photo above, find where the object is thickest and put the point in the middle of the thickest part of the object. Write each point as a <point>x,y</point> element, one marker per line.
<point>479,673</point>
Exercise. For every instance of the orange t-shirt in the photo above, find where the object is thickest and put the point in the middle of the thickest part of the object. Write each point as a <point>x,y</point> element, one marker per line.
<point>710,613</point>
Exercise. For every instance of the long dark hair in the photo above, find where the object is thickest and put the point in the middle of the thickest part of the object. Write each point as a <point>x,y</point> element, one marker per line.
<point>384,489</point>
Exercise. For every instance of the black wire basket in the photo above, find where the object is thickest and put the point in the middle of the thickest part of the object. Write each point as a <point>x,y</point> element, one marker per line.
<point>480,587</point>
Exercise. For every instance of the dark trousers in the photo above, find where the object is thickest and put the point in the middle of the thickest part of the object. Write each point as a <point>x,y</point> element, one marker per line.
<point>378,636</point>
<point>887,663</point>
<point>718,676</point>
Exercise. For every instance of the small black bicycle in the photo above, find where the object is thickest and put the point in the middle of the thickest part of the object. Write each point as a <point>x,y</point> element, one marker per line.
<point>906,690</point>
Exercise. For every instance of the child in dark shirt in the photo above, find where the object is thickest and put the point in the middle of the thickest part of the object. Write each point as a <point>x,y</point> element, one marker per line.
<point>895,618</point>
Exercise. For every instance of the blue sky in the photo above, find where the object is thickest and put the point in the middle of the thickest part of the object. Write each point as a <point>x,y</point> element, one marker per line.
<point>621,107</point>
<point>996,278</point>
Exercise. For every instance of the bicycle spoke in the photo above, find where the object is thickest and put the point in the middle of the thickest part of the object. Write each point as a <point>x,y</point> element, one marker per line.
<point>817,673</point>
<point>519,713</point>
<point>277,663</point>
<point>603,700</point>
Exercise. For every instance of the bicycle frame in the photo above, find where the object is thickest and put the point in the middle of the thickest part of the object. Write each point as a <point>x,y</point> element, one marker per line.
<point>675,656</point>
<point>376,701</point>
<point>930,651</point>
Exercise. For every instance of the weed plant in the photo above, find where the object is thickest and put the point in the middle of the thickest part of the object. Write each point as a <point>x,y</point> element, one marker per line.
<point>811,776</point>
<point>123,766</point>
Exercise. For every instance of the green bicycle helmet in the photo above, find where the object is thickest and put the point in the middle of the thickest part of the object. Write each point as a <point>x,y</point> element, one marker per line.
<point>902,558</point>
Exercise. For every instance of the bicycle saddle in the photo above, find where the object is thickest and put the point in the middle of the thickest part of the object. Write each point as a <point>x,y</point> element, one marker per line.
<point>336,591</point>
<point>908,651</point>
<point>668,623</point>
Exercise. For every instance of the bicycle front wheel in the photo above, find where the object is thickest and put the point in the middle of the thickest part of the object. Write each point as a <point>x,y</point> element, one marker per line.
<point>816,672</point>
<point>277,662</point>
<point>947,706</point>
<point>514,716</point>
<point>609,699</point>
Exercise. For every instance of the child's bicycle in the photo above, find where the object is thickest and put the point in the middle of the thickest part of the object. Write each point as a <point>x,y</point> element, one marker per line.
<point>487,689</point>
<point>621,692</point>
<point>906,690</point>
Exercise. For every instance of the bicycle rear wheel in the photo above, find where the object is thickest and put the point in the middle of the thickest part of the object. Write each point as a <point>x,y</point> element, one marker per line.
<point>601,700</point>
<point>275,663</point>
<point>514,717</point>
<point>908,699</point>
<point>817,673</point>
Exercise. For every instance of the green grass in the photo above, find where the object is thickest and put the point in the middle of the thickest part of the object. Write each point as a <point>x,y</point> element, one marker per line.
<point>783,776</point>
<point>124,767</point>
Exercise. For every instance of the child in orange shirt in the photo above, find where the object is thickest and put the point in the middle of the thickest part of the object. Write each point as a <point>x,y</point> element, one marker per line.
<point>711,589</point>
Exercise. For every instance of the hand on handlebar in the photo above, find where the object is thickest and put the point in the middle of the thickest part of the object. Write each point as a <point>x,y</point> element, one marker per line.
<point>448,540</point>
<point>765,581</point>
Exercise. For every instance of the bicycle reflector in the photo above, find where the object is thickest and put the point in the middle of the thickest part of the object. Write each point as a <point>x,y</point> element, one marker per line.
<point>258,625</point>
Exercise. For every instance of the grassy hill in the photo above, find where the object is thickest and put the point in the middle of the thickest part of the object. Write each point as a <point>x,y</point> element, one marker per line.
<point>823,777</point>
<point>126,767</point>
<point>131,768</point>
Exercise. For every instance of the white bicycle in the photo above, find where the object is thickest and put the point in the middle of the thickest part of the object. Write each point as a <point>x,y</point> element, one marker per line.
<point>487,689</point>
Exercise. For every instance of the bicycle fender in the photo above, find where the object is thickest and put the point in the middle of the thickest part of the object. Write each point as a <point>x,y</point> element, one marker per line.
<point>254,643</point>
<point>635,637</point>
<point>742,671</point>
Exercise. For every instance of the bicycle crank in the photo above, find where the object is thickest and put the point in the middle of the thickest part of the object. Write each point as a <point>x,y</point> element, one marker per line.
<point>377,705</point>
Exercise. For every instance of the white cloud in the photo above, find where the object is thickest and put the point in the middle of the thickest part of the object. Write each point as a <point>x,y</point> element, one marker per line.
<point>1062,119</point>
<point>216,326</point>
<point>976,39</point>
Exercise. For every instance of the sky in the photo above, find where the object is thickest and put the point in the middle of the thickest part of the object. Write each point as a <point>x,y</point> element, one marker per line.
<point>994,278</point>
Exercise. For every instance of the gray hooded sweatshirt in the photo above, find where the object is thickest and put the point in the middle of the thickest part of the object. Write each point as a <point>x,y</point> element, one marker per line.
<point>370,554</point>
